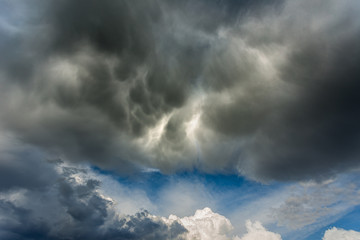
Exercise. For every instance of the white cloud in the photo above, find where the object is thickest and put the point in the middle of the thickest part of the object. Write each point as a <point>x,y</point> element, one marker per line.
<point>256,231</point>
<point>207,225</point>
<point>336,234</point>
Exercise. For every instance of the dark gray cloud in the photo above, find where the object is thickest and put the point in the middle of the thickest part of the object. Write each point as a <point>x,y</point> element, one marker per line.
<point>72,208</point>
<point>315,132</point>
<point>19,172</point>
<point>124,65</point>
<point>267,89</point>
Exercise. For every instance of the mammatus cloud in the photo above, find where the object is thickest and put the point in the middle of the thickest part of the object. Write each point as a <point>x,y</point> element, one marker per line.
<point>269,91</point>
<point>335,233</point>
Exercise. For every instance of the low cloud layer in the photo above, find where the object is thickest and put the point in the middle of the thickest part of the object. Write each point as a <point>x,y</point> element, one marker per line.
<point>74,202</point>
<point>70,205</point>
<point>71,201</point>
<point>267,90</point>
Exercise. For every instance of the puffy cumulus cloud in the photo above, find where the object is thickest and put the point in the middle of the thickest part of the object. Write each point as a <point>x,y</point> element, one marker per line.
<point>206,225</point>
<point>335,233</point>
<point>73,206</point>
<point>257,231</point>
<point>268,89</point>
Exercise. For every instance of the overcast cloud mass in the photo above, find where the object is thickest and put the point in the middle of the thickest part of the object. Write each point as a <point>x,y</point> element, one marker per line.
<point>270,89</point>
<point>265,90</point>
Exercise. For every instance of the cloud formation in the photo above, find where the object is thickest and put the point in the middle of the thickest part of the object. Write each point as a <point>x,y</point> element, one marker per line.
<point>318,203</point>
<point>335,233</point>
<point>206,225</point>
<point>74,202</point>
<point>267,90</point>
<point>257,231</point>
<point>72,206</point>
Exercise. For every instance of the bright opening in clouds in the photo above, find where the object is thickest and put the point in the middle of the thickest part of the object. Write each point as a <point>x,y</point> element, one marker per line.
<point>193,119</point>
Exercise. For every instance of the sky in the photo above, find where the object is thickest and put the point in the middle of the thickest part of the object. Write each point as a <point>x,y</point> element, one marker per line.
<point>180,120</point>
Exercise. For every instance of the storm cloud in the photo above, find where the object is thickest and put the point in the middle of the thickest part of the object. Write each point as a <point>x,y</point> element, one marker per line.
<point>265,90</point>
<point>71,207</point>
